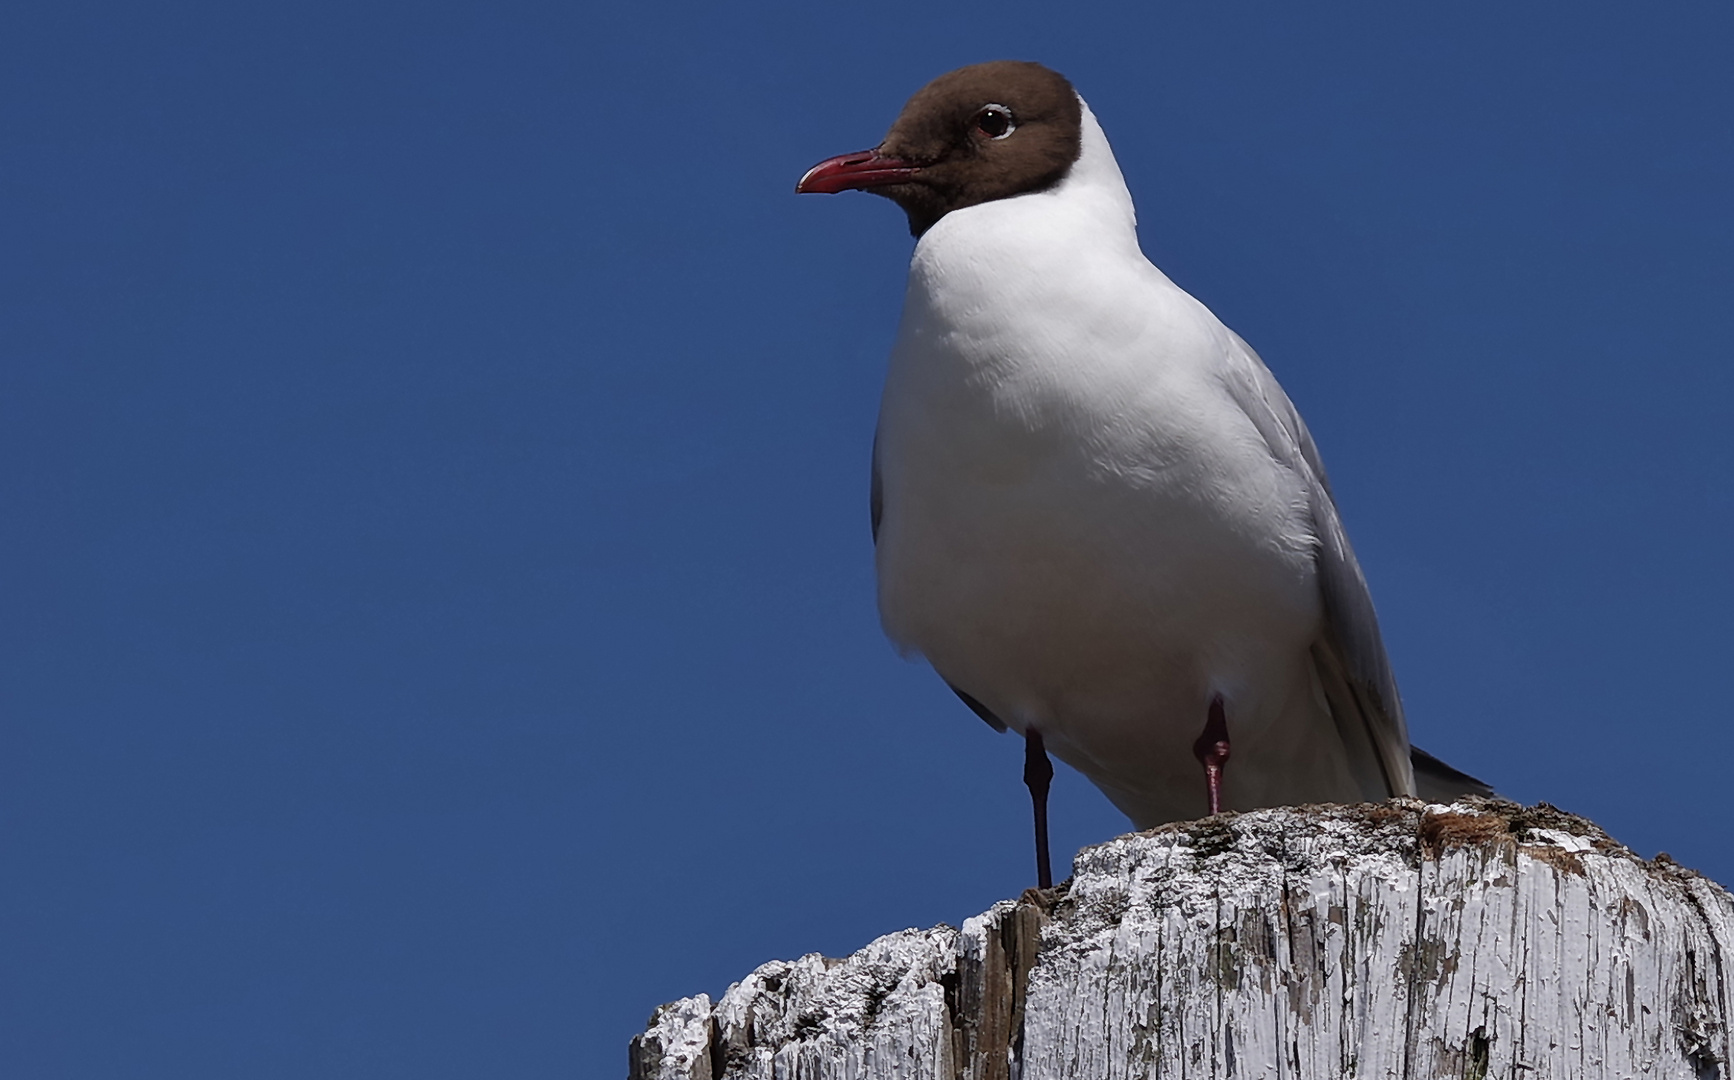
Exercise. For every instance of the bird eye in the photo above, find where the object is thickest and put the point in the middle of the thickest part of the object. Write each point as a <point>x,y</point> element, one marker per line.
<point>995,121</point>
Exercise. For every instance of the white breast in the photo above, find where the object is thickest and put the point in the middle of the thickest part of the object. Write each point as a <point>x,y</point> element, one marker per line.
<point>1080,527</point>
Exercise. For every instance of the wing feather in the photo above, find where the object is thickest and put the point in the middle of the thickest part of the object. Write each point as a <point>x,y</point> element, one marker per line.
<point>1350,652</point>
<point>875,492</point>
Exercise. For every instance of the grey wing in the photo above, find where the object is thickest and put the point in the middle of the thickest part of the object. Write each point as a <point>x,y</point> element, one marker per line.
<point>1349,653</point>
<point>1436,781</point>
<point>875,491</point>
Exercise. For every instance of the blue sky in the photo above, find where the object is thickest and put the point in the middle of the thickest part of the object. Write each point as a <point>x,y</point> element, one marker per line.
<point>438,607</point>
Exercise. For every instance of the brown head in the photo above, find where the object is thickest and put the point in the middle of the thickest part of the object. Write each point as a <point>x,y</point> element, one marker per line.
<point>983,132</point>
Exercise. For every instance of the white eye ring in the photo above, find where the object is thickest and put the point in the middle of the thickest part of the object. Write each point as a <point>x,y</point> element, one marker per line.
<point>989,109</point>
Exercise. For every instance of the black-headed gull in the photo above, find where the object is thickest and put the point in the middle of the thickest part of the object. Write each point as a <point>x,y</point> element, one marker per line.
<point>1097,515</point>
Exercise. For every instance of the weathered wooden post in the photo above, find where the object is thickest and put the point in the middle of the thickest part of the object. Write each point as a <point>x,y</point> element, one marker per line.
<point>1399,940</point>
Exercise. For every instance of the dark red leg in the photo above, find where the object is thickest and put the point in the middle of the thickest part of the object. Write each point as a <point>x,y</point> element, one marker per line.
<point>1038,773</point>
<point>1212,750</point>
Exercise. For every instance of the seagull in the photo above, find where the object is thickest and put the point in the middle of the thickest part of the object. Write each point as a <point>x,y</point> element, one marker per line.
<point>1095,513</point>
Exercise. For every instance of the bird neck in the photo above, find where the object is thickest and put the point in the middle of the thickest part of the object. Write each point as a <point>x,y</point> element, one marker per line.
<point>1095,179</point>
<point>1088,215</point>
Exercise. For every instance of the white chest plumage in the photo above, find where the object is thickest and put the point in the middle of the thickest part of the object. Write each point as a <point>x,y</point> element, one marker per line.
<point>1082,528</point>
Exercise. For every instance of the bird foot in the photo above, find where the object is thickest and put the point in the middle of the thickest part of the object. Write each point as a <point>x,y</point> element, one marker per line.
<point>1212,750</point>
<point>1038,775</point>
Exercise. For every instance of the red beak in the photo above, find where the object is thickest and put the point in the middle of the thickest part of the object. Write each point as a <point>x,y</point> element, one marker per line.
<point>853,172</point>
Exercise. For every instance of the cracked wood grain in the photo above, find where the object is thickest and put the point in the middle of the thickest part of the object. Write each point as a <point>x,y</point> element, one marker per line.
<point>1400,941</point>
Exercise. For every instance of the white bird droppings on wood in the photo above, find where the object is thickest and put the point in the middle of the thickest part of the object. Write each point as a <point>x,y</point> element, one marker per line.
<point>1399,940</point>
